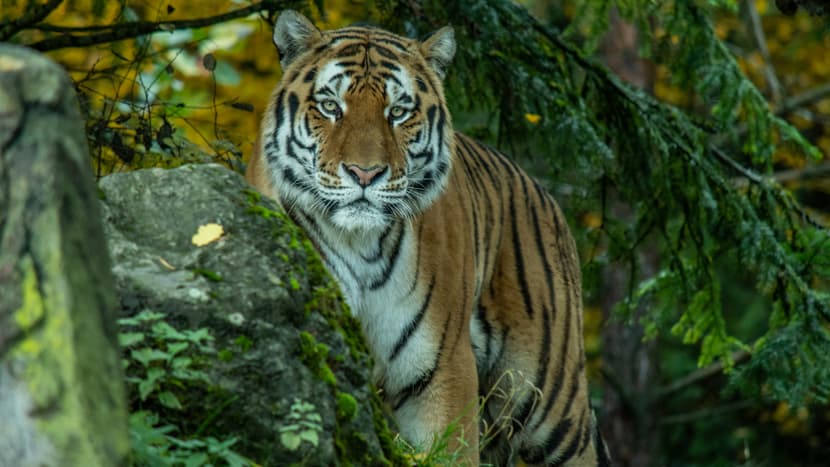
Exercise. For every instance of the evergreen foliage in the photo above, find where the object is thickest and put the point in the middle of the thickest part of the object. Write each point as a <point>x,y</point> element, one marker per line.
<point>695,182</point>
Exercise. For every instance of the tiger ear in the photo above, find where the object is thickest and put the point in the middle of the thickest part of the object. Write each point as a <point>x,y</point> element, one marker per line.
<point>439,49</point>
<point>293,35</point>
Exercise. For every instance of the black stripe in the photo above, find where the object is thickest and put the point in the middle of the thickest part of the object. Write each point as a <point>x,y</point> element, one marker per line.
<point>520,266</point>
<point>307,126</point>
<point>405,99</point>
<point>397,44</point>
<point>442,121</point>
<point>423,185</point>
<point>500,355</point>
<point>291,177</point>
<point>377,255</point>
<point>293,106</point>
<point>431,120</point>
<point>572,395</point>
<point>349,50</point>
<point>278,118</point>
<point>393,260</point>
<point>468,171</point>
<point>390,77</point>
<point>469,161</point>
<point>585,430</point>
<point>410,328</point>
<point>418,386</point>
<point>389,65</point>
<point>385,52</point>
<point>309,77</point>
<point>559,381</point>
<point>544,355</point>
<point>421,85</point>
<point>347,34</point>
<point>537,454</point>
<point>568,453</point>
<point>491,171</point>
<point>417,261</point>
<point>487,329</point>
<point>313,230</point>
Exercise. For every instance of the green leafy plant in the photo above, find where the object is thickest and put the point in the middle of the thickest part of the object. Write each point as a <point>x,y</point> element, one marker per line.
<point>304,426</point>
<point>162,364</point>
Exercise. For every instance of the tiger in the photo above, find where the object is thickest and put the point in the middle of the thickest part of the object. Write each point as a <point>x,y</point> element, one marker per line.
<point>459,267</point>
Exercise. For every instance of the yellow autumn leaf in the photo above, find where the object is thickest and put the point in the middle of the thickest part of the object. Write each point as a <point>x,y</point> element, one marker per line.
<point>533,118</point>
<point>207,233</point>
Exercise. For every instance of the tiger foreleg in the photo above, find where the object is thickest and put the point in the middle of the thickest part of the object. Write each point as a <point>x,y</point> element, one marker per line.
<point>439,414</point>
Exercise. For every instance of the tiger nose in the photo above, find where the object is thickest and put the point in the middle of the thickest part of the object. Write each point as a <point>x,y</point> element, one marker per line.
<point>364,176</point>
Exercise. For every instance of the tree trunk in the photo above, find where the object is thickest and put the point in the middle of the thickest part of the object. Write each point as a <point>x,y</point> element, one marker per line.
<point>628,424</point>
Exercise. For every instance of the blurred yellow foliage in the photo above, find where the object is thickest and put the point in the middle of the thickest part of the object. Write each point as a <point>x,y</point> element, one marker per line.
<point>166,77</point>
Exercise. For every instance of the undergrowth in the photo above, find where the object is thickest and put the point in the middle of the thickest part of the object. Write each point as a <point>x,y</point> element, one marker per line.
<point>164,366</point>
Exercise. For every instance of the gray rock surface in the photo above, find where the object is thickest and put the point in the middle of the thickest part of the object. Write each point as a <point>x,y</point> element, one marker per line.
<point>258,282</point>
<point>61,387</point>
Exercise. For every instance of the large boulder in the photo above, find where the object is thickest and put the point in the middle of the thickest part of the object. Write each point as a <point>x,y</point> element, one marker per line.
<point>61,387</point>
<point>288,347</point>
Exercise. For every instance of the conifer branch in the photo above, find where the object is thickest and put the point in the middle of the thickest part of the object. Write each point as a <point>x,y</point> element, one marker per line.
<point>33,15</point>
<point>757,179</point>
<point>132,30</point>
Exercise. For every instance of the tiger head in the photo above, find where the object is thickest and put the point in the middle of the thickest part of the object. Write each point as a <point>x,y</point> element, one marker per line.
<point>357,131</point>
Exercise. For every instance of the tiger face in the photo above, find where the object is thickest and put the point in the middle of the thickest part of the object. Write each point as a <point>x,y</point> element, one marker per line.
<point>358,134</point>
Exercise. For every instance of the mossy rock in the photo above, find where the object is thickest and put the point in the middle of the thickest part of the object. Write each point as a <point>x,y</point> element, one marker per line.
<point>282,329</point>
<point>61,387</point>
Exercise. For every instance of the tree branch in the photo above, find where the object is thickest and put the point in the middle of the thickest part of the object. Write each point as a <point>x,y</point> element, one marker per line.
<point>700,375</point>
<point>761,42</point>
<point>33,15</point>
<point>705,413</point>
<point>141,28</point>
<point>807,173</point>
<point>806,98</point>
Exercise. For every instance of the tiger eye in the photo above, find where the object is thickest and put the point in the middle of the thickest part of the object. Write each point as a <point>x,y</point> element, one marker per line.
<point>397,112</point>
<point>330,106</point>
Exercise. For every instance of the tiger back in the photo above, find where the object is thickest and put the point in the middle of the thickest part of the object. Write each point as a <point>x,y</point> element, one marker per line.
<point>459,267</point>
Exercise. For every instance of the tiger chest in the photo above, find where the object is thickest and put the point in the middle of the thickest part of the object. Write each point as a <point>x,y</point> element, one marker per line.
<point>380,282</point>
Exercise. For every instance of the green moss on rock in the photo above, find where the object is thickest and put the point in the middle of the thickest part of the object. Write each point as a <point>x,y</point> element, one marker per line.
<point>327,301</point>
<point>346,406</point>
<point>314,355</point>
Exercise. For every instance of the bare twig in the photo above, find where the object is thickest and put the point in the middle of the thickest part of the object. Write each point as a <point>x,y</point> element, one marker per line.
<point>700,375</point>
<point>123,31</point>
<point>807,173</point>
<point>706,413</point>
<point>761,42</point>
<point>33,15</point>
<point>806,98</point>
